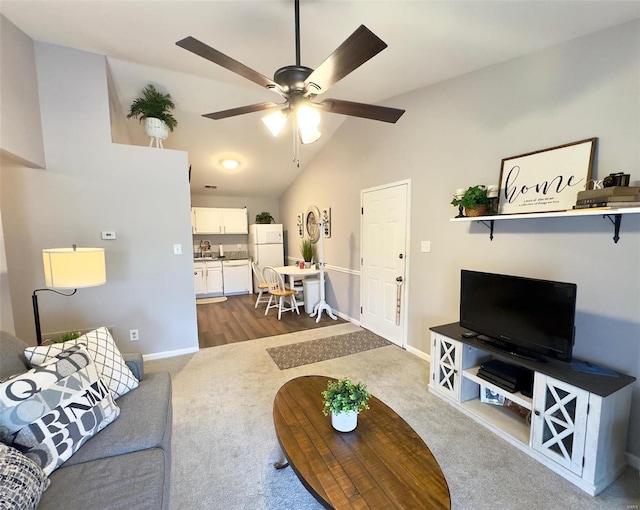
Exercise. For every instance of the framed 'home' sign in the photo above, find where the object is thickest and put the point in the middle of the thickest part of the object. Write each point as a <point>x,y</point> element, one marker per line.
<point>546,180</point>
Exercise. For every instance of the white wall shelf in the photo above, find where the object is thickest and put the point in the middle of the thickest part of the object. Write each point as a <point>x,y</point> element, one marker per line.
<point>612,214</point>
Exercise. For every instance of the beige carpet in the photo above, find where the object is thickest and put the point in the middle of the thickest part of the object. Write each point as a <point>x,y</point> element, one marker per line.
<point>224,443</point>
<point>206,301</point>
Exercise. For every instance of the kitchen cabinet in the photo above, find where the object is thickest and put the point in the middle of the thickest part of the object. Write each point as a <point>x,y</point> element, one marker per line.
<point>208,278</point>
<point>216,220</point>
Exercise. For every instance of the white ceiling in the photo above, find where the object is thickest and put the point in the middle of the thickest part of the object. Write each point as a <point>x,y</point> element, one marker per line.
<point>429,41</point>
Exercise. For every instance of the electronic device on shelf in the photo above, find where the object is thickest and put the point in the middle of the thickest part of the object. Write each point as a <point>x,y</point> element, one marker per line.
<point>525,317</point>
<point>507,376</point>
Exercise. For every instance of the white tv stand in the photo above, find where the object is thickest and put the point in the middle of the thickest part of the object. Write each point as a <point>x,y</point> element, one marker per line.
<point>579,420</point>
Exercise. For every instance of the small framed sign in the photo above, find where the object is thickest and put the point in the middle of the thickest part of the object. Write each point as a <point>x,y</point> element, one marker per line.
<point>546,180</point>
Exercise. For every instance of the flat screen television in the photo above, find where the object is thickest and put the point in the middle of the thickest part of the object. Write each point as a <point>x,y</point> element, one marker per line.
<point>525,316</point>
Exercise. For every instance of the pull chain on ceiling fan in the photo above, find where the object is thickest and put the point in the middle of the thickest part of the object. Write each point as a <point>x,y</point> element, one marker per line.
<point>298,85</point>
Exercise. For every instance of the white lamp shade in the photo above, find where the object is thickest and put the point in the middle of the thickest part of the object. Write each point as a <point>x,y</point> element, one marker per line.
<point>69,268</point>
<point>275,121</point>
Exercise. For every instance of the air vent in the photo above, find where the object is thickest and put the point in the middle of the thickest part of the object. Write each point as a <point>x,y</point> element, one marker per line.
<point>211,186</point>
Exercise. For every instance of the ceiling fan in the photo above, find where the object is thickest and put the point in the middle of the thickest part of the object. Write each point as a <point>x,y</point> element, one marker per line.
<point>298,84</point>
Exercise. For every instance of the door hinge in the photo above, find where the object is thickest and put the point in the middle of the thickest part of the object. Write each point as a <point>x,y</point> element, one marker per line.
<point>361,261</point>
<point>588,408</point>
<point>361,310</point>
<point>362,210</point>
<point>433,377</point>
<point>583,461</point>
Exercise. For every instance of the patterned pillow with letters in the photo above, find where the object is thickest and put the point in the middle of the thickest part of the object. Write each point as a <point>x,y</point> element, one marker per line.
<point>22,481</point>
<point>105,354</point>
<point>50,411</point>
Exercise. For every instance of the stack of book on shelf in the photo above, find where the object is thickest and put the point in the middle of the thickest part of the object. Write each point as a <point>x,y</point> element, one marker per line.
<point>615,197</point>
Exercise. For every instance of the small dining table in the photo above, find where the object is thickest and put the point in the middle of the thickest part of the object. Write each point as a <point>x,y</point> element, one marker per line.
<point>295,272</point>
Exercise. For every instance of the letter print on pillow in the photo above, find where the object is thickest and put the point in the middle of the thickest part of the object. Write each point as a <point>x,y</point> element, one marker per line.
<point>50,411</point>
<point>104,352</point>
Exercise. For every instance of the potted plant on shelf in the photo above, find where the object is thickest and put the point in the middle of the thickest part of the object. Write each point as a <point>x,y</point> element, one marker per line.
<point>306,249</point>
<point>264,218</point>
<point>154,108</point>
<point>475,201</point>
<point>344,400</point>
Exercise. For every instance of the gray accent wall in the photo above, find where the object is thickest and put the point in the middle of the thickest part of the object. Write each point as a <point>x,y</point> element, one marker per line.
<point>91,185</point>
<point>454,135</point>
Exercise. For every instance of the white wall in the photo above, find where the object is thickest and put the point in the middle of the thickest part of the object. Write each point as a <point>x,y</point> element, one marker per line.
<point>20,128</point>
<point>455,135</point>
<point>93,185</point>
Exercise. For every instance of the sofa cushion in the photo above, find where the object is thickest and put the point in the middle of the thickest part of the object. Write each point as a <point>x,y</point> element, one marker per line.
<point>144,422</point>
<point>12,361</point>
<point>134,480</point>
<point>104,352</point>
<point>51,410</point>
<point>22,481</point>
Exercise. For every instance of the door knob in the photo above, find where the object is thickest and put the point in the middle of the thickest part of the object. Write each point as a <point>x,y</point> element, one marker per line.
<point>399,279</point>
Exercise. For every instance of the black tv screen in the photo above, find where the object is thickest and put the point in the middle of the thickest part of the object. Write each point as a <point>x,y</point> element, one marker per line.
<point>526,314</point>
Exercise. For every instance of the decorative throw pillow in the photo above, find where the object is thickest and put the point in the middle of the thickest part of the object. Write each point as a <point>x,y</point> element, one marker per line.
<point>22,481</point>
<point>105,354</point>
<point>50,411</point>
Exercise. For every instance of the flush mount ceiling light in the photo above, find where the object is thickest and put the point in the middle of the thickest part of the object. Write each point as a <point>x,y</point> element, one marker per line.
<point>298,84</point>
<point>230,164</point>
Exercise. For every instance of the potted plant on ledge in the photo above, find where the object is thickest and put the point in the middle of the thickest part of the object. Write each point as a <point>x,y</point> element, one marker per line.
<point>264,218</point>
<point>475,201</point>
<point>154,108</point>
<point>344,400</point>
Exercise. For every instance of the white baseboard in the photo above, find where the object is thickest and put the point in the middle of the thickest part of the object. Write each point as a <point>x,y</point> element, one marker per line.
<point>169,354</point>
<point>633,461</point>
<point>419,353</point>
<point>347,318</point>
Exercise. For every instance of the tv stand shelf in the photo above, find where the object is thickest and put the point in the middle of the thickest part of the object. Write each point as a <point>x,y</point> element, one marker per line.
<point>613,215</point>
<point>578,421</point>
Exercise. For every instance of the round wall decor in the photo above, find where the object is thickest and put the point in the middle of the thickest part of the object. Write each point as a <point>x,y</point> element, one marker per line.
<point>313,229</point>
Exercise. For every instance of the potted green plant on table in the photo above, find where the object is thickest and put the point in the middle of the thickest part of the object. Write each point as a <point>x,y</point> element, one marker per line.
<point>154,108</point>
<point>264,218</point>
<point>475,201</point>
<point>344,400</point>
<point>306,249</point>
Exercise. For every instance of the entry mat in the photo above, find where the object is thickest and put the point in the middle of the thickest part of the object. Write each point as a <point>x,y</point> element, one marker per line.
<point>312,351</point>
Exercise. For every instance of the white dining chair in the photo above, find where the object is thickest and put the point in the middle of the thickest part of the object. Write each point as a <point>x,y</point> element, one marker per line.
<point>278,292</point>
<point>263,287</point>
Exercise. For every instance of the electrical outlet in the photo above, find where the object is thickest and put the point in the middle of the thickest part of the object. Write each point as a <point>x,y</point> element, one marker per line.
<point>425,246</point>
<point>239,246</point>
<point>134,336</point>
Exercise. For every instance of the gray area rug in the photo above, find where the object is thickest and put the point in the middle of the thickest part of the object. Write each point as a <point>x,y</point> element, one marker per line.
<point>303,353</point>
<point>224,443</point>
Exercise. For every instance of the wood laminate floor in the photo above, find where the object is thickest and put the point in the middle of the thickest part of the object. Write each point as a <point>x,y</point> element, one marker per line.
<point>236,320</point>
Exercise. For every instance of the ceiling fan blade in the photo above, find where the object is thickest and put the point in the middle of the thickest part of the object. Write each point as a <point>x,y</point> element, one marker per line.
<point>241,110</point>
<point>201,49</point>
<point>366,111</point>
<point>359,47</point>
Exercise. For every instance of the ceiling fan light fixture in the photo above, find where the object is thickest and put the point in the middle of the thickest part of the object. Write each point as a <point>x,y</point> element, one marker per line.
<point>275,121</point>
<point>309,135</point>
<point>230,164</point>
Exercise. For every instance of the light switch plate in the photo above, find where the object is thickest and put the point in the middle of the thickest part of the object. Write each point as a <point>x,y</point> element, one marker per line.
<point>177,249</point>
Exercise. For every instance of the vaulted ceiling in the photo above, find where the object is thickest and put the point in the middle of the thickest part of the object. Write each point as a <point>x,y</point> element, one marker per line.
<point>428,42</point>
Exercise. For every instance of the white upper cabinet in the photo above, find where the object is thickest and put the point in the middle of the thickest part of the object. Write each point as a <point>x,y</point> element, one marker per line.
<point>214,220</point>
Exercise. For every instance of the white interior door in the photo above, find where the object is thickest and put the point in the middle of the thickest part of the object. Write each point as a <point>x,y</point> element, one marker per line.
<point>384,261</point>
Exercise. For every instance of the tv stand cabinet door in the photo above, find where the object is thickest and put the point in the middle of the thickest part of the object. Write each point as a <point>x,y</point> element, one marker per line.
<point>559,421</point>
<point>446,366</point>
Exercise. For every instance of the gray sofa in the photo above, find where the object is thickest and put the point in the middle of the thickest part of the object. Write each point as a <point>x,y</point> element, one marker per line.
<point>126,465</point>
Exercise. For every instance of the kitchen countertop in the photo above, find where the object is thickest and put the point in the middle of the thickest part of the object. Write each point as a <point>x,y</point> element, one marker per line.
<point>222,259</point>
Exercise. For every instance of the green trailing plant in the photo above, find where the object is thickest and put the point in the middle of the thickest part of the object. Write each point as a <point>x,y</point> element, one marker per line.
<point>153,103</point>
<point>69,335</point>
<point>345,396</point>
<point>306,249</point>
<point>474,196</point>
<point>264,217</point>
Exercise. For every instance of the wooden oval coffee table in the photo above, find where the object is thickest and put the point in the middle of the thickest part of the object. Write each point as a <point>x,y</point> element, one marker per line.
<point>383,463</point>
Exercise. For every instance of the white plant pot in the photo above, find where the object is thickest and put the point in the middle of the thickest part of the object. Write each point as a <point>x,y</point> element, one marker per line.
<point>344,421</point>
<point>156,128</point>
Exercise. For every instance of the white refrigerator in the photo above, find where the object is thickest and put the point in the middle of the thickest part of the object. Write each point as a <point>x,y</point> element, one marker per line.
<point>265,246</point>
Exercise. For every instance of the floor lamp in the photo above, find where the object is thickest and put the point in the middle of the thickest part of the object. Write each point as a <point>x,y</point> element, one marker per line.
<point>69,268</point>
